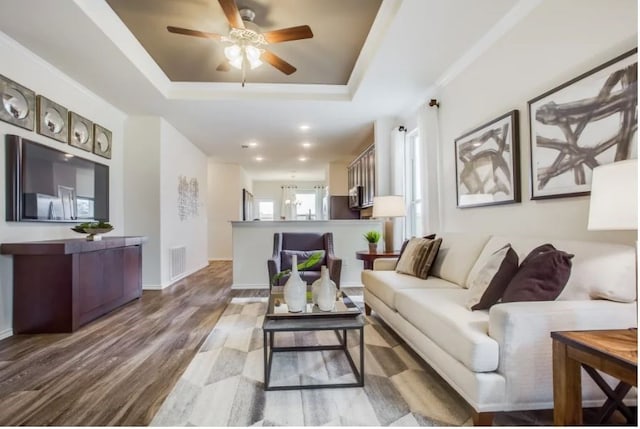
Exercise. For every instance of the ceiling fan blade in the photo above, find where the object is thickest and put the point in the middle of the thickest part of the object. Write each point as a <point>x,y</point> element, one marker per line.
<point>277,62</point>
<point>286,34</point>
<point>223,66</point>
<point>196,33</point>
<point>231,12</point>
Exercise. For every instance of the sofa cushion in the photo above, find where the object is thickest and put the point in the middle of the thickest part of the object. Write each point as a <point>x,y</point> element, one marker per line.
<point>489,284</point>
<point>458,253</point>
<point>385,284</point>
<point>442,316</point>
<point>599,270</point>
<point>541,276</point>
<point>418,257</point>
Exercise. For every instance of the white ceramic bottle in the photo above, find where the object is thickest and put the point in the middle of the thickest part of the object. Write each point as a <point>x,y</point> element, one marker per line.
<point>295,289</point>
<point>326,291</point>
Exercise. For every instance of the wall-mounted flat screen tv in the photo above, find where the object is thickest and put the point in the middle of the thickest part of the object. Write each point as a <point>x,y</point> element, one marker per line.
<point>48,185</point>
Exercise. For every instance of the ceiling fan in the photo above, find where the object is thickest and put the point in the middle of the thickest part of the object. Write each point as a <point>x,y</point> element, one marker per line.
<point>246,49</point>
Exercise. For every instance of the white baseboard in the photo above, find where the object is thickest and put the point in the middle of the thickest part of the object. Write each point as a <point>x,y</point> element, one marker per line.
<point>152,287</point>
<point>220,259</point>
<point>6,334</point>
<point>351,284</point>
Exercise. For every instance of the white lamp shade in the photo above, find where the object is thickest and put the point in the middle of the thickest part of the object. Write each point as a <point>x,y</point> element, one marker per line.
<point>388,206</point>
<point>614,197</point>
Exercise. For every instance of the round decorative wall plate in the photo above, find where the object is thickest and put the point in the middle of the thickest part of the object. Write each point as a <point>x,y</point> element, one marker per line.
<point>80,132</point>
<point>101,141</point>
<point>52,119</point>
<point>18,104</point>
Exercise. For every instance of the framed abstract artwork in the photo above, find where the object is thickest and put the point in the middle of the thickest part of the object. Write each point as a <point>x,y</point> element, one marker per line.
<point>53,119</point>
<point>80,132</point>
<point>487,171</point>
<point>18,104</point>
<point>586,122</point>
<point>101,141</point>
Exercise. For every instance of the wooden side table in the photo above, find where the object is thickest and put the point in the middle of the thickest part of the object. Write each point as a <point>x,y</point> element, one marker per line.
<point>368,258</point>
<point>614,352</point>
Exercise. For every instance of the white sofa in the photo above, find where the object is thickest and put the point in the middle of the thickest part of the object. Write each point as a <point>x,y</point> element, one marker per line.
<point>500,359</point>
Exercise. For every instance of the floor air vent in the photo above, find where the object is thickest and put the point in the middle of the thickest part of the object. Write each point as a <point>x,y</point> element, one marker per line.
<point>178,261</point>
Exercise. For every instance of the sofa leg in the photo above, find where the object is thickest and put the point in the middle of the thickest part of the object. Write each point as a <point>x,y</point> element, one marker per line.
<point>482,419</point>
<point>367,309</point>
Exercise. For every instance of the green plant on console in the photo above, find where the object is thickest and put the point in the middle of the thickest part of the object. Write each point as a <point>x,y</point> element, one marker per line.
<point>91,225</point>
<point>304,265</point>
<point>372,236</point>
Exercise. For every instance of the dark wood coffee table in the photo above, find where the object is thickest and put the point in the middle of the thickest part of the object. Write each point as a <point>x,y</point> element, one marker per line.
<point>614,352</point>
<point>347,317</point>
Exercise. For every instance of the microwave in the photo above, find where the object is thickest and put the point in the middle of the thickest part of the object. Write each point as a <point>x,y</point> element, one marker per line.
<point>355,197</point>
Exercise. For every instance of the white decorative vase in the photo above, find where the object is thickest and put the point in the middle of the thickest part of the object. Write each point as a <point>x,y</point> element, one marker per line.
<point>324,291</point>
<point>295,289</point>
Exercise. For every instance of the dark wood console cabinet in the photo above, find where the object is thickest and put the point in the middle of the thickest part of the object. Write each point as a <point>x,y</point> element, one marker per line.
<point>60,285</point>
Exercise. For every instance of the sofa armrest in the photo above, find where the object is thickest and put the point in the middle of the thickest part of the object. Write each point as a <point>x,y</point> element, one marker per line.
<point>385,264</point>
<point>522,330</point>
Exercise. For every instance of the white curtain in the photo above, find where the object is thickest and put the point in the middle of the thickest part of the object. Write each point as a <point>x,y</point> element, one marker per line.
<point>321,202</point>
<point>398,136</point>
<point>288,202</point>
<point>429,141</point>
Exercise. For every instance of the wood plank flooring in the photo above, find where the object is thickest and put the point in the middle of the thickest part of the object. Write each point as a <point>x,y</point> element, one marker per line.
<point>119,369</point>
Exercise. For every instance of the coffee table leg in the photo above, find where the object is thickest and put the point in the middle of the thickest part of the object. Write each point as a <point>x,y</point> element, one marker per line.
<point>266,363</point>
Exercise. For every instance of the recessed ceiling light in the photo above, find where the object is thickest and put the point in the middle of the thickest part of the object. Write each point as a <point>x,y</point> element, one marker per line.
<point>304,127</point>
<point>302,158</point>
<point>259,158</point>
<point>306,144</point>
<point>68,155</point>
<point>253,143</point>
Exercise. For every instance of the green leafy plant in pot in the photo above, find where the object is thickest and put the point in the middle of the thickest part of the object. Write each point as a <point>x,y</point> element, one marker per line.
<point>373,237</point>
<point>302,266</point>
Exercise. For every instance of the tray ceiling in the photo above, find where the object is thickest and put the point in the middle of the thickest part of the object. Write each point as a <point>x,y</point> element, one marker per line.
<point>340,28</point>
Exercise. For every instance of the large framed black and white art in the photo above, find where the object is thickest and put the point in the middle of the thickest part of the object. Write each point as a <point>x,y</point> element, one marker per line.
<point>487,160</point>
<point>589,121</point>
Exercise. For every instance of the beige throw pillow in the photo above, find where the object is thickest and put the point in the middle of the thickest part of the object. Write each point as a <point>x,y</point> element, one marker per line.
<point>418,256</point>
<point>487,287</point>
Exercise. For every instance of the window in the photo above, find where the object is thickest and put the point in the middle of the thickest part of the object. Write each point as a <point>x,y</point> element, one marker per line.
<point>306,205</point>
<point>265,210</point>
<point>413,185</point>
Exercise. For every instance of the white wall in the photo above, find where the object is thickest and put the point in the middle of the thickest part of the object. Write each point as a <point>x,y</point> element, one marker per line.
<point>179,157</point>
<point>142,194</point>
<point>29,70</point>
<point>224,204</point>
<point>157,154</point>
<point>558,41</point>
<point>272,190</point>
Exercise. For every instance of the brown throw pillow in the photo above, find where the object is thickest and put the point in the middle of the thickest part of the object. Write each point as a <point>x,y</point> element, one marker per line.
<point>404,244</point>
<point>490,282</point>
<point>541,276</point>
<point>418,257</point>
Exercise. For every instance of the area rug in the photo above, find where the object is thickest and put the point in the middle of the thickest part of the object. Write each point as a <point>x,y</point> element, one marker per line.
<point>223,385</point>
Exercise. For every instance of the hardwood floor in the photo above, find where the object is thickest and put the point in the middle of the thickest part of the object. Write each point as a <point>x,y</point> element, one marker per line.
<point>119,369</point>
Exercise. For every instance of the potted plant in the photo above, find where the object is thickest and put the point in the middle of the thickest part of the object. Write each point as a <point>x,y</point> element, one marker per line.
<point>302,266</point>
<point>372,237</point>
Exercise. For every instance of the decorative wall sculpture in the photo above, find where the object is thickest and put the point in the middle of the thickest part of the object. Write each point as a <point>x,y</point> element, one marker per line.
<point>588,121</point>
<point>18,104</point>
<point>188,197</point>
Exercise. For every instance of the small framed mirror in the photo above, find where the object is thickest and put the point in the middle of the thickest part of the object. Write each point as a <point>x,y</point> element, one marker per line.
<point>18,104</point>
<point>80,132</point>
<point>52,119</point>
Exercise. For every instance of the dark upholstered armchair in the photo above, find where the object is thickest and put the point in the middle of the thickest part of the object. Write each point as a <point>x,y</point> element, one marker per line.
<point>303,244</point>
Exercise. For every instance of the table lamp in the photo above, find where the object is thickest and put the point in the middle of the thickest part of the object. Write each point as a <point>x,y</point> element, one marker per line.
<point>614,197</point>
<point>388,206</point>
